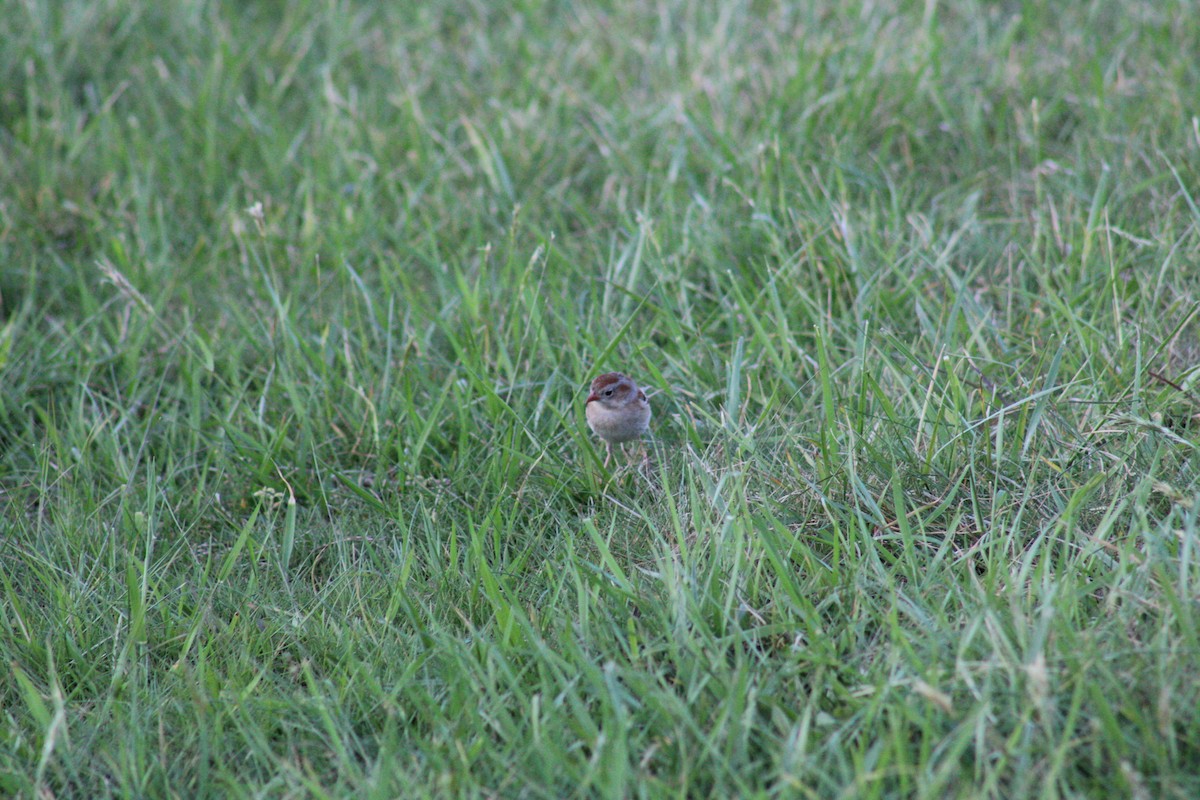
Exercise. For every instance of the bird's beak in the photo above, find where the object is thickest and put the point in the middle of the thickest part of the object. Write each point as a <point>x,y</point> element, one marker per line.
<point>591,397</point>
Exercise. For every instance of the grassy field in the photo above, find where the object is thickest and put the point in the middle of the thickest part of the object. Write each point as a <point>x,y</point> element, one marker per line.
<point>299,301</point>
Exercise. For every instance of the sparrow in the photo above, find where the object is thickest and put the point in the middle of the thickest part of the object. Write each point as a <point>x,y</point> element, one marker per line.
<point>617,410</point>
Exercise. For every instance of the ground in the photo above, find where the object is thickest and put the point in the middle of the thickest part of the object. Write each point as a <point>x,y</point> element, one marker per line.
<point>298,307</point>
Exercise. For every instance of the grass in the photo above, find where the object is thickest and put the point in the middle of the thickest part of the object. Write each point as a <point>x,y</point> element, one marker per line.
<point>297,305</point>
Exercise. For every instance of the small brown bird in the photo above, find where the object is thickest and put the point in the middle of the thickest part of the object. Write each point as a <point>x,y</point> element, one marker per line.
<point>617,410</point>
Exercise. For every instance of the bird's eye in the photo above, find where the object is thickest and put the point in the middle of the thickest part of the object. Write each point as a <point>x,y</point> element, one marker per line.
<point>608,392</point>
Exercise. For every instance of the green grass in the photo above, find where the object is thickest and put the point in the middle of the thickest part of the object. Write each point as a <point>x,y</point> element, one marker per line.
<point>299,501</point>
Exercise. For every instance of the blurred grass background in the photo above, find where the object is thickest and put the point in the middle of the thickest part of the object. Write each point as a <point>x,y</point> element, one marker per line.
<point>299,301</point>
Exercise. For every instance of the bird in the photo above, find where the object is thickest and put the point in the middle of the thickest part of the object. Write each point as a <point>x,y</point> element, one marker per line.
<point>617,410</point>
